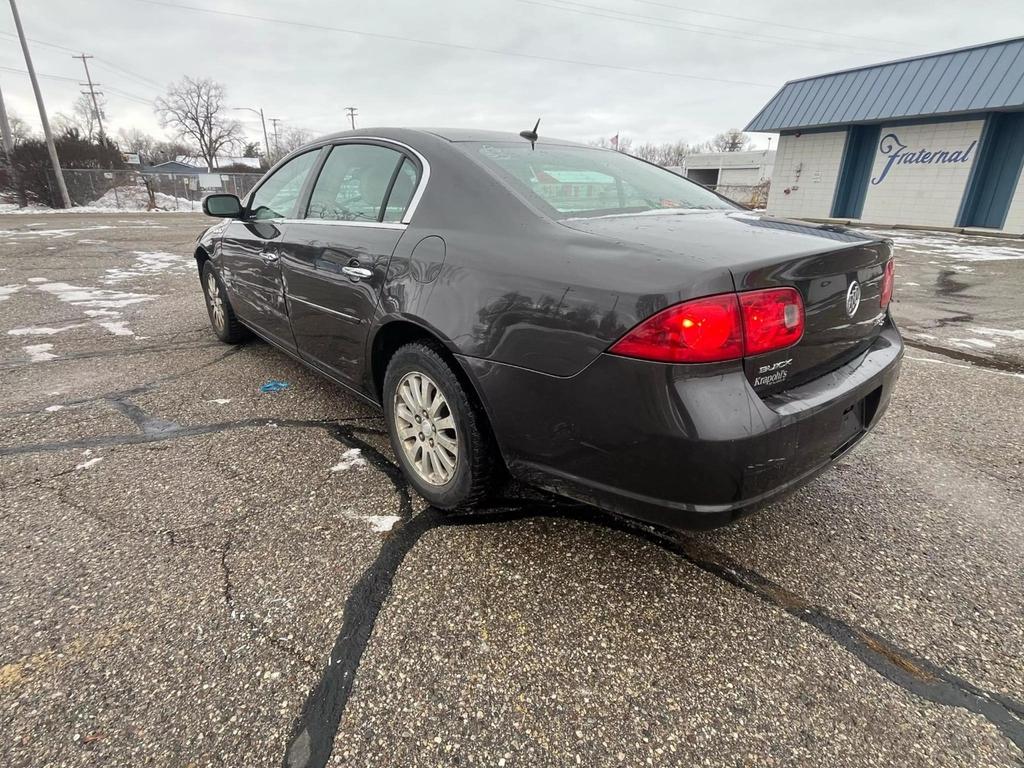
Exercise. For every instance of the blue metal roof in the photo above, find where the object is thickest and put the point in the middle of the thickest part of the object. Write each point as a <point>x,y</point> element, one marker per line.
<point>975,79</point>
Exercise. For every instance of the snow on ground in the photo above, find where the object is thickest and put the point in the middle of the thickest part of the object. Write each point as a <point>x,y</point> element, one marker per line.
<point>7,290</point>
<point>117,327</point>
<point>39,353</point>
<point>136,198</point>
<point>96,298</point>
<point>149,263</point>
<point>958,247</point>
<point>40,330</point>
<point>349,459</point>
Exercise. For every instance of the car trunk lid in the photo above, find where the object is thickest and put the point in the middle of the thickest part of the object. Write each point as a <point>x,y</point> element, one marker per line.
<point>819,261</point>
<point>841,291</point>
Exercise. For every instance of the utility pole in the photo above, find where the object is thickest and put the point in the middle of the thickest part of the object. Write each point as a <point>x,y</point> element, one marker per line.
<point>277,142</point>
<point>8,139</point>
<point>352,112</point>
<point>263,122</point>
<point>92,92</point>
<point>65,197</point>
<point>96,110</point>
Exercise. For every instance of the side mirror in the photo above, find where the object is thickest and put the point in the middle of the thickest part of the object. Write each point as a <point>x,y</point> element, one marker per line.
<point>223,206</point>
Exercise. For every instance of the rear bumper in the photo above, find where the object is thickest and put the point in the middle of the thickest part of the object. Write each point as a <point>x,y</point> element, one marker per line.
<point>680,446</point>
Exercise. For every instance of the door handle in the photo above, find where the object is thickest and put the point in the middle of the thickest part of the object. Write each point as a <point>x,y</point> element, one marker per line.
<point>357,273</point>
<point>269,256</point>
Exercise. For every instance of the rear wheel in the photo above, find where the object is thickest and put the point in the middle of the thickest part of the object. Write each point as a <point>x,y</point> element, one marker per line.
<point>222,317</point>
<point>438,431</point>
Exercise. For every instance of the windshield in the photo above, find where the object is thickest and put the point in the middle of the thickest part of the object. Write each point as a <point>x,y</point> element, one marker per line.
<point>572,182</point>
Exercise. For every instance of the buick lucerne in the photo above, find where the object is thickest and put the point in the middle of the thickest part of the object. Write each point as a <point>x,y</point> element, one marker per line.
<point>588,322</point>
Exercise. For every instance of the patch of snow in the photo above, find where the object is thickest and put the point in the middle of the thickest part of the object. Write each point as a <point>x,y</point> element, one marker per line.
<point>1017,335</point>
<point>382,523</point>
<point>136,198</point>
<point>117,327</point>
<point>220,400</point>
<point>89,463</point>
<point>93,297</point>
<point>40,330</point>
<point>7,290</point>
<point>39,353</point>
<point>39,279</point>
<point>349,459</point>
<point>102,313</point>
<point>53,408</point>
<point>147,263</point>
<point>958,247</point>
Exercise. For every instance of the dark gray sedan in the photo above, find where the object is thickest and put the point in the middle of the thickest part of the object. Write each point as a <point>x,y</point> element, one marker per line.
<point>586,321</point>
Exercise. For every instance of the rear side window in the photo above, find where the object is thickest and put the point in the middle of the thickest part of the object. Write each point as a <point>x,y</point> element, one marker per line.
<point>277,197</point>
<point>582,181</point>
<point>355,182</point>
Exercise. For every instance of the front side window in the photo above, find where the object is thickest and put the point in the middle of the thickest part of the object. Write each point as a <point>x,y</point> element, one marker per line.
<point>278,196</point>
<point>355,181</point>
<point>583,181</point>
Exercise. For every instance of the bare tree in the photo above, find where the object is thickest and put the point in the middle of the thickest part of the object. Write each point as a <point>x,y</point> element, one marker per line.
<point>82,118</point>
<point>195,111</point>
<point>20,130</point>
<point>732,140</point>
<point>135,140</point>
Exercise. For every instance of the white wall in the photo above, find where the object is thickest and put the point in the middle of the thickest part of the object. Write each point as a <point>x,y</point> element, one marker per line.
<point>805,175</point>
<point>928,194</point>
<point>1015,216</point>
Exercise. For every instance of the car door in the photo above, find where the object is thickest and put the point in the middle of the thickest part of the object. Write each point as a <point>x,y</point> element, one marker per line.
<point>251,249</point>
<point>336,259</point>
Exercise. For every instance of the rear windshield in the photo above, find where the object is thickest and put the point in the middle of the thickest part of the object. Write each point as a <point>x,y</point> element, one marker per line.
<point>572,182</point>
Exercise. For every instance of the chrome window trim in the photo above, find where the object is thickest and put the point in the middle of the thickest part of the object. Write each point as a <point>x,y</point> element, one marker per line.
<point>338,223</point>
<point>343,315</point>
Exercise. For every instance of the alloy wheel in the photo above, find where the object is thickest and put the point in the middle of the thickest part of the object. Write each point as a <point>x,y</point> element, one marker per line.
<point>215,300</point>
<point>426,428</point>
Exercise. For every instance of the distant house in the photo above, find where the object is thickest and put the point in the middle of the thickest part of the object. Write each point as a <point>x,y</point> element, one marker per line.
<point>173,166</point>
<point>219,162</point>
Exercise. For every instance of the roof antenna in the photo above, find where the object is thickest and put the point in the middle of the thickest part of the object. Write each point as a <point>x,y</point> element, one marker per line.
<point>531,136</point>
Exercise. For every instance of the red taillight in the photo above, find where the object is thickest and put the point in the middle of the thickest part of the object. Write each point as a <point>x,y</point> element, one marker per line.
<point>772,319</point>
<point>718,328</point>
<point>700,331</point>
<point>888,278</point>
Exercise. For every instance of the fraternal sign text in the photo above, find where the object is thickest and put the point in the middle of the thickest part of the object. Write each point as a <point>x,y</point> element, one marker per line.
<point>897,154</point>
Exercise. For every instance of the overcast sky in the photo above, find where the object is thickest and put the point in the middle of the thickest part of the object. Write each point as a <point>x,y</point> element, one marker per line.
<point>675,69</point>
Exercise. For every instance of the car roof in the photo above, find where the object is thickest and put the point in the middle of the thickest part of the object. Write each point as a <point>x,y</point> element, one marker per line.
<point>448,134</point>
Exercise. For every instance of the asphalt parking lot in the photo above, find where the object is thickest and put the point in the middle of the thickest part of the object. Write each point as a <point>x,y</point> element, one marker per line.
<point>194,572</point>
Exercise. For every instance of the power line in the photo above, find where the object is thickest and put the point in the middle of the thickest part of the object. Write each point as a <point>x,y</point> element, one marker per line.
<point>766,23</point>
<point>352,112</point>
<point>115,91</point>
<point>700,29</point>
<point>101,61</point>
<point>419,41</point>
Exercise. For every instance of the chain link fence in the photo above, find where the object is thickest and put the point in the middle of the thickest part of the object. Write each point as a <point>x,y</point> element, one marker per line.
<point>137,191</point>
<point>754,195</point>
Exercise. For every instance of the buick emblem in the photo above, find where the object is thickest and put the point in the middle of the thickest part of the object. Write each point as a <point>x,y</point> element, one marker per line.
<point>852,298</point>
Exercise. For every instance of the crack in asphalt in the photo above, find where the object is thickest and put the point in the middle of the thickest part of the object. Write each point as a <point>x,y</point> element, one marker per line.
<point>313,732</point>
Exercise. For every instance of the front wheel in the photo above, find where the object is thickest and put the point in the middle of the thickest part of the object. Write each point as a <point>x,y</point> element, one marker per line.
<point>438,431</point>
<point>222,316</point>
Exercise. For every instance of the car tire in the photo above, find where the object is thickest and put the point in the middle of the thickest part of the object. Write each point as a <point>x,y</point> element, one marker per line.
<point>222,315</point>
<point>427,432</point>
